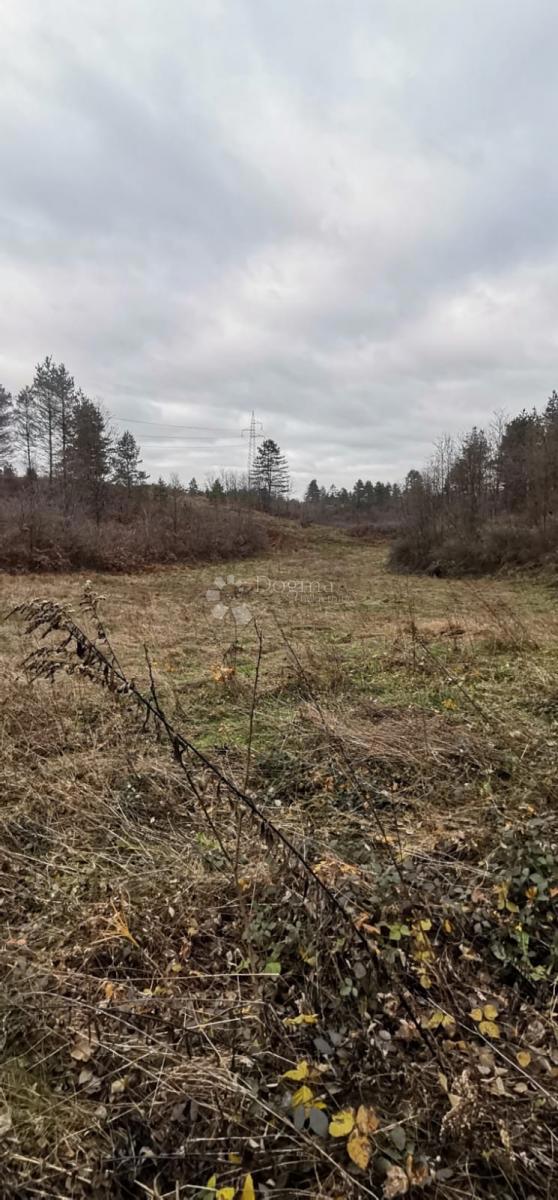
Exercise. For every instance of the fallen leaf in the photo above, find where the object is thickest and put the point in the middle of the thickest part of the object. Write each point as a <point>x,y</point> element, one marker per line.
<point>248,1190</point>
<point>298,1073</point>
<point>490,1012</point>
<point>82,1049</point>
<point>225,1193</point>
<point>489,1028</point>
<point>398,1137</point>
<point>303,1095</point>
<point>476,1014</point>
<point>366,1120</point>
<point>118,1086</point>
<point>417,1173</point>
<point>359,1149</point>
<point>523,1057</point>
<point>396,1183</point>
<point>318,1121</point>
<point>342,1122</point>
<point>302,1019</point>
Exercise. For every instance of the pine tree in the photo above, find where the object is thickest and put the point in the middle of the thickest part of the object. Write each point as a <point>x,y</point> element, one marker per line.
<point>312,494</point>
<point>66,393</point>
<point>26,427</point>
<point>44,388</point>
<point>358,494</point>
<point>271,473</point>
<point>215,490</point>
<point>126,463</point>
<point>6,414</point>
<point>193,489</point>
<point>89,453</point>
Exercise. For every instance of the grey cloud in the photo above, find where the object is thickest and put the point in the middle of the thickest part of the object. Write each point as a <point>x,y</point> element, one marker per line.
<point>340,215</point>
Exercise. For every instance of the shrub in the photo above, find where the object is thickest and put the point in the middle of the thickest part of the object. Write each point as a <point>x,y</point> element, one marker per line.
<point>494,547</point>
<point>37,535</point>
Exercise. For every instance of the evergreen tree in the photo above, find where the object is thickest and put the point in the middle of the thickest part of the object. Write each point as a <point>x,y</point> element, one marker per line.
<point>88,454</point>
<point>312,495</point>
<point>126,463</point>
<point>215,490</point>
<point>26,427</point>
<point>161,492</point>
<point>6,414</point>
<point>44,388</point>
<point>193,489</point>
<point>358,494</point>
<point>271,473</point>
<point>66,394</point>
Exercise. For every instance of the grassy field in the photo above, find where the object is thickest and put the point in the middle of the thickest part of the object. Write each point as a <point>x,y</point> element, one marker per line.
<point>164,962</point>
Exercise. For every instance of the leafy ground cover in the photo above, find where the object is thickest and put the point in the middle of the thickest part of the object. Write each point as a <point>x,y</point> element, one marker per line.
<point>185,1012</point>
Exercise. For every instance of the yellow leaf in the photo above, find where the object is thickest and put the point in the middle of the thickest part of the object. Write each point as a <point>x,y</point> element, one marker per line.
<point>234,1157</point>
<point>511,906</point>
<point>342,1122</point>
<point>435,1020</point>
<point>476,1014</point>
<point>298,1073</point>
<point>425,925</point>
<point>425,981</point>
<point>225,1193</point>
<point>359,1149</point>
<point>447,926</point>
<point>490,1012</point>
<point>366,1120</point>
<point>302,1019</point>
<point>212,1182</point>
<point>303,1095</point>
<point>489,1028</point>
<point>523,1057</point>
<point>531,893</point>
<point>248,1190</point>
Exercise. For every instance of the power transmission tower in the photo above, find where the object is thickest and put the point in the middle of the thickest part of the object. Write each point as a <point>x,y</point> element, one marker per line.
<point>253,434</point>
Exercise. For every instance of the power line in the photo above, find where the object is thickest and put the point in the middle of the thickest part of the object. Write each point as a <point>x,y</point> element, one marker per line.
<point>170,425</point>
<point>213,440</point>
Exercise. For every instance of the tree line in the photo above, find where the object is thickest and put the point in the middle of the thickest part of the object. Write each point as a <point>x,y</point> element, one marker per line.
<point>487,499</point>
<point>60,434</point>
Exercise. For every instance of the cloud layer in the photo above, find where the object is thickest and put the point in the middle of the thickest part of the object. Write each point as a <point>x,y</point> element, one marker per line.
<point>340,215</point>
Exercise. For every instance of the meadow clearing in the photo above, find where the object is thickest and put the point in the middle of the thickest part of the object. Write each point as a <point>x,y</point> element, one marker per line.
<point>185,1012</point>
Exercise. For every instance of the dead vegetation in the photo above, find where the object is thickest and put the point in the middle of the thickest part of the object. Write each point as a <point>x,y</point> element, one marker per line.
<point>186,1012</point>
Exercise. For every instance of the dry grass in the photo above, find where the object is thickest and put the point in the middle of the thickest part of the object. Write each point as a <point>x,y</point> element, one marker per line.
<point>404,737</point>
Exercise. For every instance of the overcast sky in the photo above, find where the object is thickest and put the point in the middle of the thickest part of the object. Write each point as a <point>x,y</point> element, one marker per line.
<point>342,214</point>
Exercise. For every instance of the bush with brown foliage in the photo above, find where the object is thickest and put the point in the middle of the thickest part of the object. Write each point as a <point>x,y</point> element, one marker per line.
<point>38,534</point>
<point>497,546</point>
